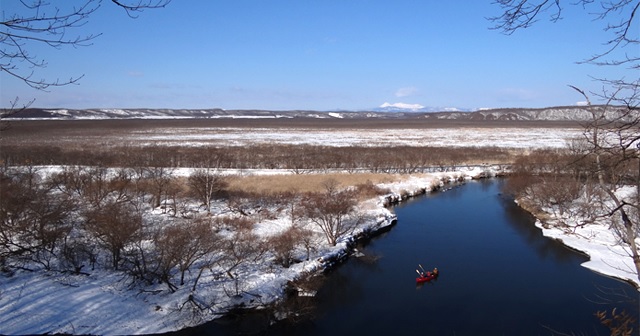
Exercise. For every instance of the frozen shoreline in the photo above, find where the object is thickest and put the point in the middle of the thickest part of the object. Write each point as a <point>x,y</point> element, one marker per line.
<point>606,257</point>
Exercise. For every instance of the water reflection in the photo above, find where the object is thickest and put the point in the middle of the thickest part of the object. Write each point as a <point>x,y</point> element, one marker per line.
<point>546,248</point>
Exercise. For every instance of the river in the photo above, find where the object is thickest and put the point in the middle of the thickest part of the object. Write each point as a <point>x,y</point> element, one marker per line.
<point>498,276</point>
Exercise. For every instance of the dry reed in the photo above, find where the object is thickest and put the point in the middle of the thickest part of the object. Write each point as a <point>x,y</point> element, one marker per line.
<point>303,183</point>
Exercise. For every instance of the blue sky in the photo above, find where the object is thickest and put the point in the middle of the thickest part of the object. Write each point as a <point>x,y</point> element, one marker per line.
<point>317,54</point>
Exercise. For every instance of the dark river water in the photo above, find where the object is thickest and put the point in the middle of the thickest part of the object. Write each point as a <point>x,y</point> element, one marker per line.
<point>498,276</point>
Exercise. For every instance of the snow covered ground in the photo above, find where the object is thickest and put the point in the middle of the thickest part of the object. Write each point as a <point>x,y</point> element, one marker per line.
<point>107,303</point>
<point>607,254</point>
<point>508,137</point>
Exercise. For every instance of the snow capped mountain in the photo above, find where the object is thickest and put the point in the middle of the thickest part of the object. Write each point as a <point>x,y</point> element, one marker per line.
<point>403,107</point>
<point>400,107</point>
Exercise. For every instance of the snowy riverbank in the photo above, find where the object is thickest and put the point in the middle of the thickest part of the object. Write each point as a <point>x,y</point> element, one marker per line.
<point>607,255</point>
<point>107,303</point>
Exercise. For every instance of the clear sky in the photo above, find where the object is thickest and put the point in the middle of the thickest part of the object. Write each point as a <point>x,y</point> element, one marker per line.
<point>317,54</point>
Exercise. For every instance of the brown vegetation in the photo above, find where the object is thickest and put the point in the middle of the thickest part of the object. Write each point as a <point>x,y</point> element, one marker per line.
<point>331,210</point>
<point>302,183</point>
<point>295,158</point>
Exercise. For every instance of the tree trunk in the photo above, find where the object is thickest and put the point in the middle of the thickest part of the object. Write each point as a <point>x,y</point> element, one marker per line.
<point>630,235</point>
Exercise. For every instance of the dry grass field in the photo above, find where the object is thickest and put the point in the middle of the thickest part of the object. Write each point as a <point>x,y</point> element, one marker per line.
<point>327,132</point>
<point>101,135</point>
<point>266,184</point>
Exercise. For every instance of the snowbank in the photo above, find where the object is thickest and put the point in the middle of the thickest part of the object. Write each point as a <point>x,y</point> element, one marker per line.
<point>607,256</point>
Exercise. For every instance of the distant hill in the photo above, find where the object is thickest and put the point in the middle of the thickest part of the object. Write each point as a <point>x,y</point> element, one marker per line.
<point>561,113</point>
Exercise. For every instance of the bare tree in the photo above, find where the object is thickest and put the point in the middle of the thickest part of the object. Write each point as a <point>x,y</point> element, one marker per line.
<point>613,136</point>
<point>239,248</point>
<point>613,133</point>
<point>176,193</point>
<point>182,245</point>
<point>159,179</point>
<point>76,253</point>
<point>115,225</point>
<point>283,244</point>
<point>331,211</point>
<point>33,217</point>
<point>205,184</point>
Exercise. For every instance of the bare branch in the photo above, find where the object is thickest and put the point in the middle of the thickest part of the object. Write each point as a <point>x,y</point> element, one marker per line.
<point>623,34</point>
<point>521,14</point>
<point>140,5</point>
<point>40,23</point>
<point>620,18</point>
<point>11,110</point>
<point>583,94</point>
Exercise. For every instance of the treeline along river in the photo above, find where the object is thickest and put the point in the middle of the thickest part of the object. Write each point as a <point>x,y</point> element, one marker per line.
<point>498,276</point>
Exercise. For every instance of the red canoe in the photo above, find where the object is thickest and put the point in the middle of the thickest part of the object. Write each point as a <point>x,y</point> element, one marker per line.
<point>430,276</point>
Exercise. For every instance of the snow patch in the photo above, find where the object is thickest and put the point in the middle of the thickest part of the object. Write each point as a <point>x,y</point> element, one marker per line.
<point>402,106</point>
